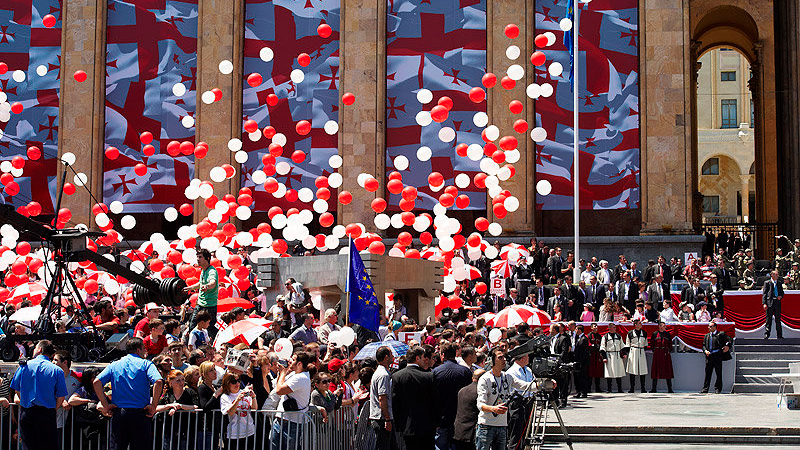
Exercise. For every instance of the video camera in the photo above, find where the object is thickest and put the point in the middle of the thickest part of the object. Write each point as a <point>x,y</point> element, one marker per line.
<point>542,363</point>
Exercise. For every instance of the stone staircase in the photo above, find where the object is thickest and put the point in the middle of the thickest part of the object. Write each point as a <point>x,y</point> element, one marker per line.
<point>646,435</point>
<point>758,359</point>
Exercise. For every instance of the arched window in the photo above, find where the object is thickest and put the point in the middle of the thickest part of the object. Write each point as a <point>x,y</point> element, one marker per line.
<point>752,169</point>
<point>711,167</point>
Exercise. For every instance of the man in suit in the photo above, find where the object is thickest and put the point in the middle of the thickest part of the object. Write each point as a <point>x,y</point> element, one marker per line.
<point>717,348</point>
<point>581,356</point>
<point>663,269</point>
<point>553,265</point>
<point>723,274</point>
<point>692,291</point>
<point>415,415</point>
<point>636,274</point>
<point>656,292</point>
<point>542,294</point>
<point>522,277</point>
<point>560,346</point>
<point>676,268</point>
<point>771,296</point>
<point>627,292</point>
<point>621,268</point>
<point>557,299</point>
<point>595,293</point>
<point>604,274</point>
<point>449,377</point>
<point>714,294</point>
<point>467,414</point>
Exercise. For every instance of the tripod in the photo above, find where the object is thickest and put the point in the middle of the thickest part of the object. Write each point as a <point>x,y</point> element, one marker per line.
<point>537,422</point>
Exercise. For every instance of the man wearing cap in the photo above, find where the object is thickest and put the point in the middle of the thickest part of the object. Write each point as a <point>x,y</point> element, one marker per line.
<point>781,262</point>
<point>208,291</point>
<point>749,275</point>
<point>134,401</point>
<point>41,387</point>
<point>151,312</point>
<point>794,276</point>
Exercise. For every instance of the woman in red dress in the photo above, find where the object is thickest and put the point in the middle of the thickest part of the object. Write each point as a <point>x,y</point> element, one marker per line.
<point>661,343</point>
<point>595,358</point>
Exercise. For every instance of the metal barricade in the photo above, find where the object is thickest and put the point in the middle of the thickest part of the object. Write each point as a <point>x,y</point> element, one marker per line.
<point>79,428</point>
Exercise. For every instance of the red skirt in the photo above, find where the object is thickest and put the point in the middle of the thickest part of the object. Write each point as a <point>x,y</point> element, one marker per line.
<point>662,365</point>
<point>596,365</point>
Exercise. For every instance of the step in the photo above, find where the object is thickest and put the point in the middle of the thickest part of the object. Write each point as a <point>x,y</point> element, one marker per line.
<point>677,439</point>
<point>766,348</point>
<point>775,363</point>
<point>757,379</point>
<point>785,356</point>
<point>763,371</point>
<point>771,341</point>
<point>758,388</point>
<point>675,430</point>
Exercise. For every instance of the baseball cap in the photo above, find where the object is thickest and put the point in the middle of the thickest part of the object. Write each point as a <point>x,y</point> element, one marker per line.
<point>151,306</point>
<point>335,364</point>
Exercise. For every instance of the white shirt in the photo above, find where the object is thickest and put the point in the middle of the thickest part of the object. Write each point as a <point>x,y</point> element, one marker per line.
<point>586,275</point>
<point>241,424</point>
<point>494,390</point>
<point>523,374</point>
<point>300,384</point>
<point>668,315</point>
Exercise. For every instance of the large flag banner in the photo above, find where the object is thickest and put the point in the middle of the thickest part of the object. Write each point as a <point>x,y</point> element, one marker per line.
<point>32,53</point>
<point>609,106</point>
<point>364,309</point>
<point>439,46</point>
<point>276,34</point>
<point>151,50</point>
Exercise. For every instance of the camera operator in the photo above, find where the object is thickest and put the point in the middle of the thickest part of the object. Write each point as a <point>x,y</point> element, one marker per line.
<point>561,346</point>
<point>494,391</point>
<point>518,411</point>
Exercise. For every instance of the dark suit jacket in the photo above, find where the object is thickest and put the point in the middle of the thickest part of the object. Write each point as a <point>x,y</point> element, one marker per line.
<point>449,377</point>
<point>688,295</point>
<point>723,277</point>
<point>653,296</point>
<point>714,344</point>
<point>599,295</point>
<point>581,353</point>
<point>768,294</point>
<point>539,299</point>
<point>619,270</point>
<point>563,347</point>
<point>414,412</point>
<point>633,295</point>
<point>466,413</point>
<point>554,266</point>
<point>715,294</point>
<point>563,301</point>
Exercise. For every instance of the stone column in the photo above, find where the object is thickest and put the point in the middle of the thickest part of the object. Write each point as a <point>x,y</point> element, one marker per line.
<point>362,131</point>
<point>745,195</point>
<point>82,105</point>
<point>220,30</point>
<point>498,15</point>
<point>665,117</point>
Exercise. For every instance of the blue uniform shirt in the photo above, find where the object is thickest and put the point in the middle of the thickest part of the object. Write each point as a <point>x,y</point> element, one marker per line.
<point>130,379</point>
<point>39,383</point>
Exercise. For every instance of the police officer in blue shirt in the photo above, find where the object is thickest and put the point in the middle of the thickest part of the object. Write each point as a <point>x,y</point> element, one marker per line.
<point>41,388</point>
<point>131,378</point>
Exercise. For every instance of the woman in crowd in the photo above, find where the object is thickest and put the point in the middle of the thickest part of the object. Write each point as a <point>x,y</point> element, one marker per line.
<point>209,396</point>
<point>237,402</point>
<point>321,397</point>
<point>86,417</point>
<point>606,311</point>
<point>686,314</point>
<point>668,314</point>
<point>294,385</point>
<point>587,315</point>
<point>177,397</point>
<point>661,369</point>
<point>192,377</point>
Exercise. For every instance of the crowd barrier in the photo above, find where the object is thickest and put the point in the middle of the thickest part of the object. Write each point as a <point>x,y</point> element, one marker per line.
<point>85,429</point>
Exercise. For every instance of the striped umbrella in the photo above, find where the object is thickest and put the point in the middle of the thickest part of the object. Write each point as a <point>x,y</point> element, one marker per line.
<point>242,332</point>
<point>502,268</point>
<point>33,291</point>
<point>513,252</point>
<point>515,314</point>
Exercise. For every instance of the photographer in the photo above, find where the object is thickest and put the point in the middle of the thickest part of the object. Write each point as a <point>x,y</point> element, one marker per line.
<point>494,391</point>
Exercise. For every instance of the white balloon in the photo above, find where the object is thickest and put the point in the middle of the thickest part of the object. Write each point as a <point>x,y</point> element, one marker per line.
<point>331,127</point>
<point>423,118</point>
<point>6,166</point>
<point>538,134</point>
<point>555,69</point>
<point>533,91</point>
<point>331,242</point>
<point>235,144</point>
<point>504,173</point>
<point>80,179</point>
<point>424,153</point>
<point>515,72</point>
<point>397,221</point>
<point>551,38</point>
<point>424,96</point>
<point>18,76</point>
<point>41,70</point>
<point>462,180</point>
<point>243,212</point>
<point>241,157</point>
<point>68,158</point>
<point>206,191</point>
<point>511,204</point>
<point>382,221</point>
<point>401,162</point>
<point>128,222</point>
<point>460,273</point>
<point>447,134</point>
<point>475,152</point>
<point>320,206</point>
<point>137,266</point>
<point>495,229</point>
<point>217,174</point>
<point>305,195</point>
<point>116,207</point>
<point>297,76</point>
<point>111,286</point>
<point>215,216</point>
<point>439,210</point>
<point>255,136</point>
<point>543,187</point>
<point>492,132</point>
<point>258,176</point>
<point>396,253</point>
<point>494,335</point>
<point>266,54</point>
<point>565,24</point>
<point>279,139</point>
<point>338,231</point>
<point>187,122</point>
<point>347,336</point>
<point>494,191</point>
<point>283,347</point>
<point>208,97</point>
<point>335,180</point>
<point>310,242</point>
<point>489,166</point>
<point>449,284</point>
<point>547,90</point>
<point>512,52</point>
<point>171,214</point>
<point>283,168</point>
<point>513,156</point>
<point>335,161</point>
<point>421,223</point>
<point>178,89</point>
<point>480,119</point>
<point>244,238</point>
<point>101,220</point>
<point>17,172</point>
<point>279,221</point>
<point>280,192</point>
<point>226,67</point>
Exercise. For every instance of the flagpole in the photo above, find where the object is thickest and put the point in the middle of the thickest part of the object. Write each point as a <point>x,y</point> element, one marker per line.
<point>576,140</point>
<point>347,284</point>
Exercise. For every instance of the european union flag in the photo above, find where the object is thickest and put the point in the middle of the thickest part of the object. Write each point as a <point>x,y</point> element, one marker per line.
<point>364,309</point>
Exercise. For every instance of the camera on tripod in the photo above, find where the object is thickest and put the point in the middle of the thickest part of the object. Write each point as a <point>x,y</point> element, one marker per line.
<point>542,363</point>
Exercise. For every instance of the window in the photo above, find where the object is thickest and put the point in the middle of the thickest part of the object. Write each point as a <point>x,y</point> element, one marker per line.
<point>728,108</point>
<point>752,115</point>
<point>752,170</point>
<point>711,204</point>
<point>729,75</point>
<point>711,167</point>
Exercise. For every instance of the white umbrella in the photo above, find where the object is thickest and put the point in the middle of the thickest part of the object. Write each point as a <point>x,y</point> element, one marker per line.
<point>28,314</point>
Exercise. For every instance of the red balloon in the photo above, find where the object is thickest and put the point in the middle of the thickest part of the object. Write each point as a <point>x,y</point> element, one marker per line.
<point>395,175</point>
<point>454,302</point>
<point>406,205</point>
<point>435,179</point>
<point>426,238</point>
<point>409,193</point>
<point>348,98</point>
<point>229,172</point>
<point>520,126</point>
<point>377,248</point>
<point>474,240</point>
<point>303,127</point>
<point>303,59</point>
<point>538,58</point>
<point>462,201</point>
<point>499,157</point>
<point>34,153</point>
<point>540,40</point>
<point>371,184</point>
<point>167,272</point>
<point>298,156</point>
<point>250,126</point>
<point>439,113</point>
<point>19,267</point>
<point>34,208</point>
<point>378,205</point>
<point>279,246</point>
<point>512,31</point>
<point>515,106</point>
<point>353,230</point>
<point>16,107</point>
<point>186,209</point>
<point>49,21</point>
<point>480,287</point>
<point>234,261</point>
<point>408,218</point>
<point>90,286</point>
<point>269,132</point>
<point>412,254</point>
<point>140,169</point>
<point>156,265</point>
<point>3,68</point>
<point>291,196</point>
<point>149,150</point>
<point>345,197</point>
<point>326,219</point>
<point>12,188</point>
<point>489,80</point>
<point>480,180</point>
<point>174,148</point>
<point>508,83</point>
<point>80,76</point>
<point>508,143</point>
<point>271,185</point>
<point>217,94</point>
<point>477,95</point>
<point>461,149</point>
<point>394,186</point>
<point>447,102</point>
<point>321,181</point>
<point>324,30</point>
<point>481,224</point>
<point>275,150</point>
<point>23,248</point>
<point>499,210</point>
<point>405,238</point>
<point>18,162</point>
<point>244,199</point>
<point>254,79</point>
<point>272,99</point>
<point>112,153</point>
<point>146,137</point>
<point>187,148</point>
<point>446,200</point>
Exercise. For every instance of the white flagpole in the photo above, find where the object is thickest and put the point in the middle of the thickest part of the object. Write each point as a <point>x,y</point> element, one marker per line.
<point>576,139</point>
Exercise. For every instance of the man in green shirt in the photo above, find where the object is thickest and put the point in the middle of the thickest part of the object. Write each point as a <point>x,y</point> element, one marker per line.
<point>208,288</point>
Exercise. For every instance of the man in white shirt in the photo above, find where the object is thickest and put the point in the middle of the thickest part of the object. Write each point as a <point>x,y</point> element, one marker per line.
<point>518,414</point>
<point>604,274</point>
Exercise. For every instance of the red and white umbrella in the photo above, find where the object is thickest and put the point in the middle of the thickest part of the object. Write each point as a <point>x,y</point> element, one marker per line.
<point>242,332</point>
<point>487,316</point>
<point>135,255</point>
<point>502,268</point>
<point>431,252</point>
<point>515,314</point>
<point>33,291</point>
<point>513,252</point>
<point>474,273</point>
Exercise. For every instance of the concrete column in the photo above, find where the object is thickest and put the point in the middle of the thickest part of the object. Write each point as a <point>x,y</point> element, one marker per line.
<point>220,33</point>
<point>498,15</point>
<point>362,132</point>
<point>745,195</point>
<point>82,105</point>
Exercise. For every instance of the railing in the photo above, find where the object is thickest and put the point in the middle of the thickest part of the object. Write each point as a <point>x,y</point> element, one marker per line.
<point>85,429</point>
<point>762,235</point>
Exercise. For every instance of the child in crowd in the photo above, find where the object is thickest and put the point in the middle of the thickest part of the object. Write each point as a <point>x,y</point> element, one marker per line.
<point>199,335</point>
<point>155,342</point>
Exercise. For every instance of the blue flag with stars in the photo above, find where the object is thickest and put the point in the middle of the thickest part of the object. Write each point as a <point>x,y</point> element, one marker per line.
<point>364,309</point>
